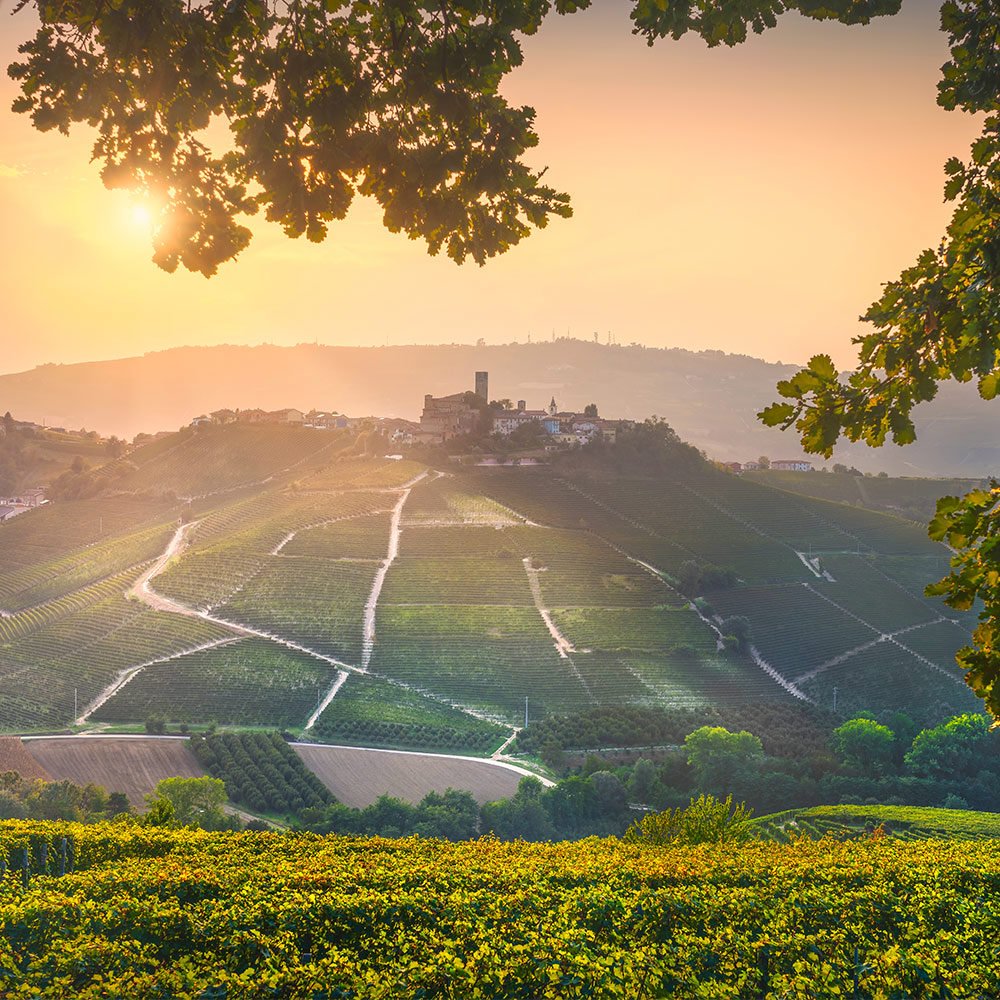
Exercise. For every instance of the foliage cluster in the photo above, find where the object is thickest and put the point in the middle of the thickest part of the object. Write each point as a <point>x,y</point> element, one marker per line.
<point>706,820</point>
<point>194,802</point>
<point>261,771</point>
<point>862,760</point>
<point>57,800</point>
<point>186,913</point>
<point>449,815</point>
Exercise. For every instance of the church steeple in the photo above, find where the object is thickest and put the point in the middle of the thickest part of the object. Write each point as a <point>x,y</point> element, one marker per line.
<point>553,409</point>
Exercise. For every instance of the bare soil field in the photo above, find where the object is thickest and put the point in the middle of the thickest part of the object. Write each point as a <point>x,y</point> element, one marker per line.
<point>357,777</point>
<point>14,757</point>
<point>119,764</point>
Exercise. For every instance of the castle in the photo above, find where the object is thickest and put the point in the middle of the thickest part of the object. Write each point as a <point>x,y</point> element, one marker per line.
<point>446,417</point>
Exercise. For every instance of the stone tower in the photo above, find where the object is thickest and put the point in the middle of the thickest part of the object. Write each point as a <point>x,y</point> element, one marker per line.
<point>483,385</point>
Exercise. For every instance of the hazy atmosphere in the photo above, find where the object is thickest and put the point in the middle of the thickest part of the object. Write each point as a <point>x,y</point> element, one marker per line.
<point>749,200</point>
<point>619,619</point>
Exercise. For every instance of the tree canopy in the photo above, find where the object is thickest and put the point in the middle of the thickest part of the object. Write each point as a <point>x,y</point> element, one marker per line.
<point>218,109</point>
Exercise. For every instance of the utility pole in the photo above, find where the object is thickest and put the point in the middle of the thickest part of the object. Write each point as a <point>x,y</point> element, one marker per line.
<point>76,709</point>
<point>525,711</point>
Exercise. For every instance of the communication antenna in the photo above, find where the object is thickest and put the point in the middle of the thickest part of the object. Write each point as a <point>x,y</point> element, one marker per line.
<point>835,699</point>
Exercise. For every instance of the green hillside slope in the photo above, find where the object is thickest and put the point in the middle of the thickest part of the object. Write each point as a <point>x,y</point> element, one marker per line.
<point>903,822</point>
<point>370,600</point>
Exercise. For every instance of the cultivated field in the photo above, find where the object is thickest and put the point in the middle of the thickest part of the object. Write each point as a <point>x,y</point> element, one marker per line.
<point>132,765</point>
<point>460,593</point>
<point>358,777</point>
<point>15,757</point>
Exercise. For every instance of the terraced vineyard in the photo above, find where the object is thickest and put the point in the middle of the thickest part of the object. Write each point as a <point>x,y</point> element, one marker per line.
<point>69,659</point>
<point>364,601</point>
<point>818,626</point>
<point>369,711</point>
<point>898,822</point>
<point>214,459</point>
<point>911,498</point>
<point>306,601</point>
<point>51,551</point>
<point>244,682</point>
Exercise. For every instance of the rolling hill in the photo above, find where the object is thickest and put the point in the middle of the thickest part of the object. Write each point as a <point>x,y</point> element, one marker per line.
<point>277,578</point>
<point>710,398</point>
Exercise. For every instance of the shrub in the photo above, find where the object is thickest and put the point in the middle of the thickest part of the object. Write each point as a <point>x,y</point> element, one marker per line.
<point>706,820</point>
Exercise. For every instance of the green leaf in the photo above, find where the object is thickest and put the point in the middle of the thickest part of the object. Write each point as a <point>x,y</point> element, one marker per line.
<point>777,414</point>
<point>989,384</point>
<point>822,367</point>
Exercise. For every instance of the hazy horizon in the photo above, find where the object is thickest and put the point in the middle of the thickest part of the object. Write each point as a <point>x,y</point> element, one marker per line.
<point>748,200</point>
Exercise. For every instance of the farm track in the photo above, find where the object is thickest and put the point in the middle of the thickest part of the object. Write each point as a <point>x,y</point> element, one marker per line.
<point>563,646</point>
<point>144,591</point>
<point>368,632</point>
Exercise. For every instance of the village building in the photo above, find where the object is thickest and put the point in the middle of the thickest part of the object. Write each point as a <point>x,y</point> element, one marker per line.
<point>445,417</point>
<point>565,428</point>
<point>792,465</point>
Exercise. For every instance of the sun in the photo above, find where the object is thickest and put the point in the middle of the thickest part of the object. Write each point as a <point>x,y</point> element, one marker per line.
<point>142,217</point>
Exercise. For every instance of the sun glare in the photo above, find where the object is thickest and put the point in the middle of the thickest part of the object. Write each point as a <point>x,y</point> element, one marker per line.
<point>142,217</point>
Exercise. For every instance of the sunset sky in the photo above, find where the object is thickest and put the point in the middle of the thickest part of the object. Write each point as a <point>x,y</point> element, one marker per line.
<point>749,200</point>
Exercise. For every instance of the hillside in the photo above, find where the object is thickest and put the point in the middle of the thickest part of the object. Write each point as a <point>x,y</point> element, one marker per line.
<point>709,397</point>
<point>380,603</point>
<point>345,917</point>
<point>32,458</point>
<point>909,498</point>
<point>903,822</point>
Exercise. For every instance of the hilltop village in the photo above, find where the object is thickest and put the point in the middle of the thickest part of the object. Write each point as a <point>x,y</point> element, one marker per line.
<point>471,414</point>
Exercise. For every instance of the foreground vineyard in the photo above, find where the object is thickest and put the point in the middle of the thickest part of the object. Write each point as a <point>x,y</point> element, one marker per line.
<point>182,914</point>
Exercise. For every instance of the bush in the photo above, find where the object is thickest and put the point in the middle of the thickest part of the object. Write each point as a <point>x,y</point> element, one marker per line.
<point>706,820</point>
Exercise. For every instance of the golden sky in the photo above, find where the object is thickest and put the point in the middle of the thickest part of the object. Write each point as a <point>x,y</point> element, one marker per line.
<point>748,200</point>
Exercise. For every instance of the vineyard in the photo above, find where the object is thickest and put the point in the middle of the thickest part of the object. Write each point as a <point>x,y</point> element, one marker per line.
<point>244,682</point>
<point>69,657</point>
<point>902,822</point>
<point>149,912</point>
<point>911,498</point>
<point>369,711</point>
<point>458,596</point>
<point>49,552</point>
<point>214,459</point>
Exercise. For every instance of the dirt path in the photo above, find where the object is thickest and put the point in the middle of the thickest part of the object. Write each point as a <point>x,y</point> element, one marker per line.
<point>563,646</point>
<point>327,698</point>
<point>368,633</point>
<point>141,589</point>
